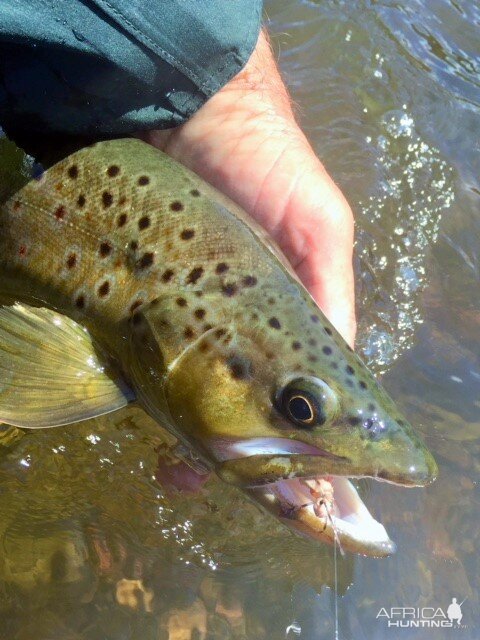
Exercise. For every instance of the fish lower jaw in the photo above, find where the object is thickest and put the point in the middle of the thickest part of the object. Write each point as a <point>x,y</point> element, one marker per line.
<point>329,509</point>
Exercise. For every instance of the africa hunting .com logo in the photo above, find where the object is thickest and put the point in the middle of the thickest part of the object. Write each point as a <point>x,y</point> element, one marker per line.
<point>423,617</point>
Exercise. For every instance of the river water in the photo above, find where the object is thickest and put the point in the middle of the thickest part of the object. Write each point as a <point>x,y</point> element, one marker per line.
<point>93,546</point>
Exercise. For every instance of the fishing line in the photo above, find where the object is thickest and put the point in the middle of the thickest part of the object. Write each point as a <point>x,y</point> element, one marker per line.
<point>336,542</point>
<point>335,586</point>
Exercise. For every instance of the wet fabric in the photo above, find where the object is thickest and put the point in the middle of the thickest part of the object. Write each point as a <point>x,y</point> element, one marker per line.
<point>110,67</point>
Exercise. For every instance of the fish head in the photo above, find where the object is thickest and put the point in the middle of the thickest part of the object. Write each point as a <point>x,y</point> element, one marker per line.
<point>275,396</point>
<point>288,392</point>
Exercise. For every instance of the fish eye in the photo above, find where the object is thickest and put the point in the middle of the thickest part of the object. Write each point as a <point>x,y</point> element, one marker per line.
<point>307,402</point>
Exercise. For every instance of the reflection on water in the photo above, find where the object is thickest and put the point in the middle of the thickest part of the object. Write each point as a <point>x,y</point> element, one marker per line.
<point>95,544</point>
<point>107,548</point>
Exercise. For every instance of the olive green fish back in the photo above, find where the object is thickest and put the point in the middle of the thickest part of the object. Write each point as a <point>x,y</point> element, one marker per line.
<point>116,225</point>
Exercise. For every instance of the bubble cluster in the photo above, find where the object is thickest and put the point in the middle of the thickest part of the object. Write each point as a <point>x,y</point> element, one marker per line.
<point>400,224</point>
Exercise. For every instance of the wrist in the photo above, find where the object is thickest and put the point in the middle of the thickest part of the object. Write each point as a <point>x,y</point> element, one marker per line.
<point>259,83</point>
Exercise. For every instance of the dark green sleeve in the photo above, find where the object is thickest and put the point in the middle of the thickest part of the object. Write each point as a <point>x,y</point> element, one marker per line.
<point>101,68</point>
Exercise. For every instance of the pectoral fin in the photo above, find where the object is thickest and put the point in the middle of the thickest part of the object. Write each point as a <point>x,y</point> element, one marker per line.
<point>50,373</point>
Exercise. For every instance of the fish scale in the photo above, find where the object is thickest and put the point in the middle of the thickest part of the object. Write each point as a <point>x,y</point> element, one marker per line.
<point>126,277</point>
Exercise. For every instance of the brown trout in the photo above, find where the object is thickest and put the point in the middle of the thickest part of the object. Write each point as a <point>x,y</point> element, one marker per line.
<point>125,277</point>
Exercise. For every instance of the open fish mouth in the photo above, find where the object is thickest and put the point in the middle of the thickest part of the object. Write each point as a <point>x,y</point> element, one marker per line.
<point>283,476</point>
<point>327,508</point>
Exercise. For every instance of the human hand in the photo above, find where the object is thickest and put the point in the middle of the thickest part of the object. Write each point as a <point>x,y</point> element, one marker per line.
<point>245,142</point>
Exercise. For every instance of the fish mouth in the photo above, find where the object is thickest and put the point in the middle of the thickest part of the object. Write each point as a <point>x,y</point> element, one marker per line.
<point>329,509</point>
<point>325,507</point>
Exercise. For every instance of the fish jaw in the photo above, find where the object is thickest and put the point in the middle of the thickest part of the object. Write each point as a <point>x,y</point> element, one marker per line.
<point>334,515</point>
<point>252,462</point>
<point>282,474</point>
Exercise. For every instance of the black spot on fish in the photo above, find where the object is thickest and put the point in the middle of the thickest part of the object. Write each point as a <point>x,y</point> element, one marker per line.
<point>80,302</point>
<point>181,302</point>
<point>144,223</point>
<point>312,342</point>
<point>314,318</point>
<point>104,289</point>
<point>207,326</point>
<point>219,333</point>
<point>107,199</point>
<point>354,420</point>
<point>271,301</point>
<point>60,212</point>
<point>189,333</point>
<point>146,260</point>
<point>194,275</point>
<point>72,260</point>
<point>296,345</point>
<point>362,384</point>
<point>222,267</point>
<point>350,370</point>
<point>113,170</point>
<point>240,367</point>
<point>204,346</point>
<point>176,205</point>
<point>195,193</point>
<point>81,201</point>
<point>133,246</point>
<point>122,220</point>
<point>249,281</point>
<point>328,331</point>
<point>187,234</point>
<point>312,358</point>
<point>167,275</point>
<point>199,314</point>
<point>105,249</point>
<point>73,172</point>
<point>229,289</point>
<point>143,181</point>
<point>401,423</point>
<point>274,323</point>
<point>327,351</point>
<point>369,423</point>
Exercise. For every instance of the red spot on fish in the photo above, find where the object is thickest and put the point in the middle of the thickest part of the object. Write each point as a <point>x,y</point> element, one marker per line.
<point>60,212</point>
<point>22,250</point>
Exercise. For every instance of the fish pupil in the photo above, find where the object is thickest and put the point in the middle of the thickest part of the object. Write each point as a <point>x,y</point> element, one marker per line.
<point>300,409</point>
